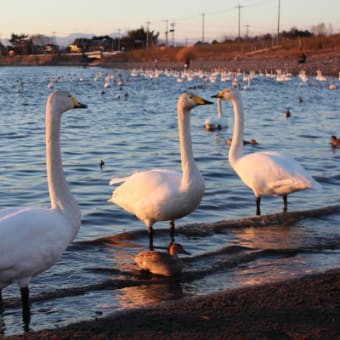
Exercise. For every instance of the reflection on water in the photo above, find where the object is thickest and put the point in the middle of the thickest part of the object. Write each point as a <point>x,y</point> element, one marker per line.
<point>274,237</point>
<point>142,296</point>
<point>97,274</point>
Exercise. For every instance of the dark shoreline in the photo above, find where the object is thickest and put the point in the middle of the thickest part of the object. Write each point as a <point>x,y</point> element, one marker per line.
<point>327,62</point>
<point>304,308</point>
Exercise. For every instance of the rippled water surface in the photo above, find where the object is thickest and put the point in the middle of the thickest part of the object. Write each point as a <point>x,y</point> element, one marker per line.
<point>134,127</point>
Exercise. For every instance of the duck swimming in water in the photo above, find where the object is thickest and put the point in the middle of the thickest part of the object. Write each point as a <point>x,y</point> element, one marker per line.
<point>165,264</point>
<point>335,142</point>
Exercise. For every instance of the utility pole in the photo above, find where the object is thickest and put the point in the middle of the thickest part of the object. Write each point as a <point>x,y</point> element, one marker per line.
<point>247,31</point>
<point>278,24</point>
<point>172,31</point>
<point>166,32</point>
<point>239,21</point>
<point>147,34</point>
<point>203,17</point>
<point>54,42</point>
<point>118,47</point>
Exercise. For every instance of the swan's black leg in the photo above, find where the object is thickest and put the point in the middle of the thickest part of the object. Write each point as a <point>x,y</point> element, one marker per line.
<point>150,232</point>
<point>26,312</point>
<point>258,201</point>
<point>285,203</point>
<point>2,325</point>
<point>172,230</point>
<point>1,304</point>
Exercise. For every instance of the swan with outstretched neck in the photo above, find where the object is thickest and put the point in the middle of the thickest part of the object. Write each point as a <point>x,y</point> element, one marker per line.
<point>31,238</point>
<point>267,172</point>
<point>161,194</point>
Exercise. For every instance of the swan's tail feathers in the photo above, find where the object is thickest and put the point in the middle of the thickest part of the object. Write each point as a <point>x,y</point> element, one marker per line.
<point>117,180</point>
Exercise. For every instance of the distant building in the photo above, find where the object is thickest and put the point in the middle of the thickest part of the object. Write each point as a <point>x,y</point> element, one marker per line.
<point>74,48</point>
<point>51,48</point>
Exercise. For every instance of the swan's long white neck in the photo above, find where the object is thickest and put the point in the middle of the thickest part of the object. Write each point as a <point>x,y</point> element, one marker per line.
<point>236,147</point>
<point>189,167</point>
<point>60,194</point>
<point>219,107</point>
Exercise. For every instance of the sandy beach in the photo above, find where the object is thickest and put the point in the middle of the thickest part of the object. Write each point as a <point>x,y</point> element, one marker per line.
<point>305,308</point>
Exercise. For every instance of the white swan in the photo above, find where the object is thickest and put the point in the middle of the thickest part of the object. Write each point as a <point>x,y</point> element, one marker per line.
<point>165,195</point>
<point>166,264</point>
<point>268,172</point>
<point>32,239</point>
<point>215,123</point>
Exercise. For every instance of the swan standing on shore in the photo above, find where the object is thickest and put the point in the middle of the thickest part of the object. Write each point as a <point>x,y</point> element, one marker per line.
<point>268,172</point>
<point>165,195</point>
<point>32,239</point>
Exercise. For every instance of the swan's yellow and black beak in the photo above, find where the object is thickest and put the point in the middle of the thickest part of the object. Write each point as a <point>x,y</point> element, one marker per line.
<point>200,101</point>
<point>77,105</point>
<point>218,95</point>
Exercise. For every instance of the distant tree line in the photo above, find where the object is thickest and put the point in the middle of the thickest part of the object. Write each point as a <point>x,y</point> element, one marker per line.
<point>35,44</point>
<point>134,39</point>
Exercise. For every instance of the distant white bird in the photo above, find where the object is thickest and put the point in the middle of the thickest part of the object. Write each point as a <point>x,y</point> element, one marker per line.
<point>166,264</point>
<point>320,76</point>
<point>32,239</point>
<point>165,195</point>
<point>268,172</point>
<point>216,122</point>
<point>303,76</point>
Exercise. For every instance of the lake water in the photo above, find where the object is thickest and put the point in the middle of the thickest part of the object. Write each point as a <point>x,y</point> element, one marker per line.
<point>134,127</point>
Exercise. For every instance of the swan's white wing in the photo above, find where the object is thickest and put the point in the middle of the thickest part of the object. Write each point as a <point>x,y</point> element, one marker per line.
<point>273,173</point>
<point>31,240</point>
<point>9,211</point>
<point>149,193</point>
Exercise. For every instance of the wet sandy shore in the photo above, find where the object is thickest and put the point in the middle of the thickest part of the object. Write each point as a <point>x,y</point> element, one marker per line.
<point>305,308</point>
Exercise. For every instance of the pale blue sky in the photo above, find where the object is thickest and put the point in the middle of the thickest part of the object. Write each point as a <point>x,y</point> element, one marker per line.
<point>64,17</point>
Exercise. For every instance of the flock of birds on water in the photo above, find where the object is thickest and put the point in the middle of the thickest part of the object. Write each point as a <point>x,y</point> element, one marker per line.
<point>32,239</point>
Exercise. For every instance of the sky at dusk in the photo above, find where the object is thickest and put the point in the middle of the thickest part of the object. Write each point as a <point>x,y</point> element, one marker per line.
<point>192,19</point>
